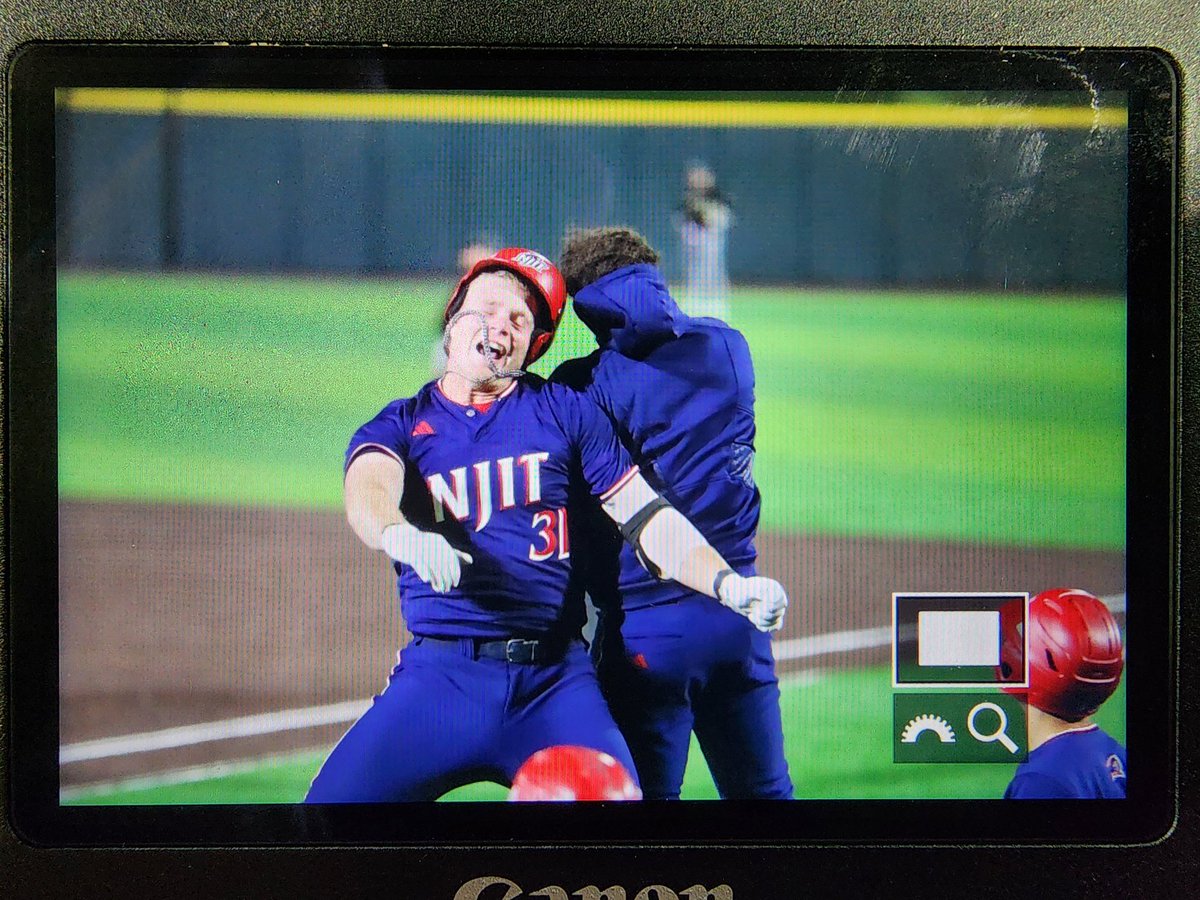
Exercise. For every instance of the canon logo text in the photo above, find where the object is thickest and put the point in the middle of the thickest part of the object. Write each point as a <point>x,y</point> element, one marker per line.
<point>477,889</point>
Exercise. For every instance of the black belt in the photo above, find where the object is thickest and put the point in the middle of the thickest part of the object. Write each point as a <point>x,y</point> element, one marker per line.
<point>514,650</point>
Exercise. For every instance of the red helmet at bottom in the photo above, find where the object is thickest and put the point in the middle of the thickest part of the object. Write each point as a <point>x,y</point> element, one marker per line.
<point>569,773</point>
<point>1075,653</point>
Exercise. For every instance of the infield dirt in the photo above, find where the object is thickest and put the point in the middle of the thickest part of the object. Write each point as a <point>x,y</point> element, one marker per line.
<point>173,615</point>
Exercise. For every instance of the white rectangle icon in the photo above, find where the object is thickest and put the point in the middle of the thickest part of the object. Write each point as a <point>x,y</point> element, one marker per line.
<point>958,638</point>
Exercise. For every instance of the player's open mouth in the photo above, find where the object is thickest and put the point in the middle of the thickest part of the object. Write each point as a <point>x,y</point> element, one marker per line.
<point>491,350</point>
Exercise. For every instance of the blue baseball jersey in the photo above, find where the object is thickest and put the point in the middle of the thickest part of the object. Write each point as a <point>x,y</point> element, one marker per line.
<point>497,484</point>
<point>1082,764</point>
<point>681,392</point>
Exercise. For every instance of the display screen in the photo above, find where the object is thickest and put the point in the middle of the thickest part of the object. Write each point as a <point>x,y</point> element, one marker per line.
<point>893,351</point>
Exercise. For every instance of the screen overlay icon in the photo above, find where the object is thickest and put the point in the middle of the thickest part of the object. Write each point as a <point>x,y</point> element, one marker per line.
<point>955,640</point>
<point>958,728</point>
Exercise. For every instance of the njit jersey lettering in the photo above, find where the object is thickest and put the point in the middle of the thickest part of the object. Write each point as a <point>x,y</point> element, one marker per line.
<point>454,497</point>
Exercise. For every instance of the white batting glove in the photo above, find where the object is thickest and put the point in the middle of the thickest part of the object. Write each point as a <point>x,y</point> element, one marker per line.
<point>430,555</point>
<point>761,600</point>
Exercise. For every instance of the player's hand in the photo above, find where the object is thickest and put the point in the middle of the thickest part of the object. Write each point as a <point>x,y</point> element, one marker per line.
<point>761,600</point>
<point>429,554</point>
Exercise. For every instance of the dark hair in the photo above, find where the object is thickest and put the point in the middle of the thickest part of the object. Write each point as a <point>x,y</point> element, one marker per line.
<point>590,254</point>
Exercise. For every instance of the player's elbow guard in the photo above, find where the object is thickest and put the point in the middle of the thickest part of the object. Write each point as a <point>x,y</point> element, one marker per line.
<point>666,541</point>
<point>663,539</point>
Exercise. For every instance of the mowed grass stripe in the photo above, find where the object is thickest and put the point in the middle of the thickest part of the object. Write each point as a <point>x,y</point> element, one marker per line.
<point>959,354</point>
<point>915,415</point>
<point>837,736</point>
<point>1007,315</point>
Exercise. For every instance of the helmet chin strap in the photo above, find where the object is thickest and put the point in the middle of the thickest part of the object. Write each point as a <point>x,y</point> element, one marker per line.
<point>497,372</point>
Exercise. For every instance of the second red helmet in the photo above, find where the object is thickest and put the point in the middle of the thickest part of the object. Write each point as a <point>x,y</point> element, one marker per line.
<point>1076,655</point>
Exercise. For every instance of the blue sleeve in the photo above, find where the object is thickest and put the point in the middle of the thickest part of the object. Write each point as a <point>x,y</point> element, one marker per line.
<point>1035,786</point>
<point>386,433</point>
<point>741,365</point>
<point>606,463</point>
<point>612,398</point>
<point>586,375</point>
<point>574,373</point>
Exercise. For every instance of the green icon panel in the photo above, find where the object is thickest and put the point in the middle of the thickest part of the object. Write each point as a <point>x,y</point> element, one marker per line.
<point>981,727</point>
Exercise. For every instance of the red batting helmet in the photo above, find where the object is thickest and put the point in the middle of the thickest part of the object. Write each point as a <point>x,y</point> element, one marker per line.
<point>542,277</point>
<point>1075,653</point>
<point>565,772</point>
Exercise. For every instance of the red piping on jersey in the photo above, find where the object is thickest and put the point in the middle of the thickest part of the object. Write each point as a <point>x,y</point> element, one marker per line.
<point>481,407</point>
<point>620,483</point>
<point>1092,727</point>
<point>363,449</point>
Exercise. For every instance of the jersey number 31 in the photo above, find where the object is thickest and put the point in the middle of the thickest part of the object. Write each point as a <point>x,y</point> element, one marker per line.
<point>551,528</point>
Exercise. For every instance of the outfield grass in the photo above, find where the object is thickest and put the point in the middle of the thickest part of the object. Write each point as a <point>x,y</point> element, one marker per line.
<point>943,416</point>
<point>837,736</point>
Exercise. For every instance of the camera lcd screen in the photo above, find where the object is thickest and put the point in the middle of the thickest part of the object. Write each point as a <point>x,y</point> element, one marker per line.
<point>893,349</point>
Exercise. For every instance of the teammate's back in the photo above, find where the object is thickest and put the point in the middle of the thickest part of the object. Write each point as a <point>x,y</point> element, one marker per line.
<point>681,391</point>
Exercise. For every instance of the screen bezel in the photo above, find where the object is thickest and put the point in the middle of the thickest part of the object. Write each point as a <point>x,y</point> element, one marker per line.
<point>1150,85</point>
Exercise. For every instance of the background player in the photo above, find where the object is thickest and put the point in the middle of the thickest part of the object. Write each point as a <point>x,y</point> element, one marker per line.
<point>1075,664</point>
<point>467,487</point>
<point>705,219</point>
<point>681,393</point>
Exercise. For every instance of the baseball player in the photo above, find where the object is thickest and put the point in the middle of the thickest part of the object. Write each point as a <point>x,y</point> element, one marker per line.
<point>468,487</point>
<point>681,394</point>
<point>1075,663</point>
<point>705,219</point>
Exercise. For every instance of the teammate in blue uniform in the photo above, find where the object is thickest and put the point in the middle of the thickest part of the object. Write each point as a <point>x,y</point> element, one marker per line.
<point>680,392</point>
<point>1075,664</point>
<point>468,487</point>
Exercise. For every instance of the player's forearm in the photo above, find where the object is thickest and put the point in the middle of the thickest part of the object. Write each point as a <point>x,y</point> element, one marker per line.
<point>372,497</point>
<point>374,485</point>
<point>671,542</point>
<point>670,546</point>
<point>680,552</point>
<point>369,515</point>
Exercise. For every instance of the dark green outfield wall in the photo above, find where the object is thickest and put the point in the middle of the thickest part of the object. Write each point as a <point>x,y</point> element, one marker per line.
<point>1015,208</point>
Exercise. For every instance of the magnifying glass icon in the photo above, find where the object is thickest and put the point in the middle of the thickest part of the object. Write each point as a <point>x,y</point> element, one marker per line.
<point>998,734</point>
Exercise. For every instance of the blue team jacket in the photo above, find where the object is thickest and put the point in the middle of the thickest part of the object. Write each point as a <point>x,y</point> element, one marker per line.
<point>681,394</point>
<point>1084,764</point>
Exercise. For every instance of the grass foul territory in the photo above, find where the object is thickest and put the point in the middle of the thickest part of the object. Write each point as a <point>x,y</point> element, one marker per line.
<point>946,416</point>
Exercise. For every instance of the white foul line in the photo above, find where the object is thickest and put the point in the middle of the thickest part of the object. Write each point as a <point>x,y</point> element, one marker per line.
<point>186,735</point>
<point>833,642</point>
<point>349,710</point>
<point>189,775</point>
